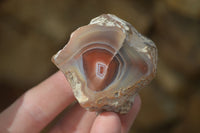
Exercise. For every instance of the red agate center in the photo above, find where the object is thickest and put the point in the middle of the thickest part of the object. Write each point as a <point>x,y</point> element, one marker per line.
<point>100,68</point>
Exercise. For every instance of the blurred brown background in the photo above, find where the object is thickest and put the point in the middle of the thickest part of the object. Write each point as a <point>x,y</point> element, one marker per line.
<point>31,31</point>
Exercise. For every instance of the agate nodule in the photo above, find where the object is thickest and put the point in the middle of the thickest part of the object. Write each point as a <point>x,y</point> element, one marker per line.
<point>106,62</point>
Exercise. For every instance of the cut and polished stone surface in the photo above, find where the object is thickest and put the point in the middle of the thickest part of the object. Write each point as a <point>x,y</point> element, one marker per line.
<point>106,62</point>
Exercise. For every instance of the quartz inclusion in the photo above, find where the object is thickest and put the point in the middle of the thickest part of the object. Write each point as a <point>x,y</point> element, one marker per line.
<point>106,62</point>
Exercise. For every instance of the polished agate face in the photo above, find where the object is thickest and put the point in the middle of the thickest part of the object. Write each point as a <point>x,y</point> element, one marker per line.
<point>106,62</point>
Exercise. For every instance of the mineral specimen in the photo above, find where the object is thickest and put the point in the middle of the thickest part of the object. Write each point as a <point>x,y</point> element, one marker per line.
<point>106,62</point>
